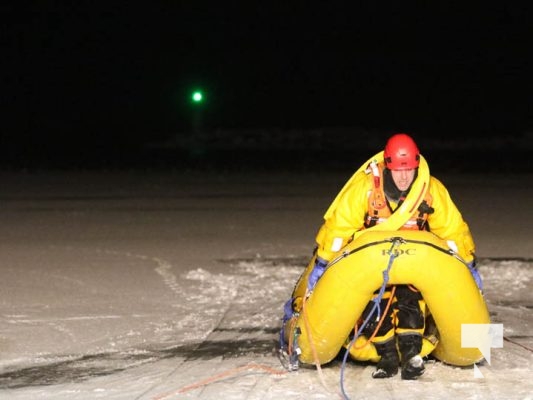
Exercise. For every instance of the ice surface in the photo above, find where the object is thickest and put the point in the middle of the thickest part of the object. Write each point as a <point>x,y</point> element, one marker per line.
<point>170,286</point>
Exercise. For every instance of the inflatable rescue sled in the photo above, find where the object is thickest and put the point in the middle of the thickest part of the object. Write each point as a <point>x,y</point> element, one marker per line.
<point>328,315</point>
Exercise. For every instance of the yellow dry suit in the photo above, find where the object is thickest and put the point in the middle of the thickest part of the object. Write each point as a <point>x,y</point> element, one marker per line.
<point>362,205</point>
<point>347,215</point>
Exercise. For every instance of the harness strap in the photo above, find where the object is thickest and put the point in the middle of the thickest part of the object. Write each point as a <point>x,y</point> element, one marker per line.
<point>380,210</point>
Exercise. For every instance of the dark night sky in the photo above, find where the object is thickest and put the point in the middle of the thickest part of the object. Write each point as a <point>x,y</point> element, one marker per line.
<point>112,74</point>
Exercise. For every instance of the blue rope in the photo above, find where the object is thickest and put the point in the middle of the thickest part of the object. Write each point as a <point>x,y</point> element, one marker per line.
<point>376,306</point>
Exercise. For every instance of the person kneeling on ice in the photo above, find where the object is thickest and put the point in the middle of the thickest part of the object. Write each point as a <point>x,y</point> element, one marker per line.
<point>367,200</point>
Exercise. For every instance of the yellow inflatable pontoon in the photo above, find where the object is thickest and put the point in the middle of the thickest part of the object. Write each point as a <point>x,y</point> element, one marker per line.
<point>419,258</point>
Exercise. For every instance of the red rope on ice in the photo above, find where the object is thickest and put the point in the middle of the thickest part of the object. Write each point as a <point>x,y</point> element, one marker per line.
<point>223,375</point>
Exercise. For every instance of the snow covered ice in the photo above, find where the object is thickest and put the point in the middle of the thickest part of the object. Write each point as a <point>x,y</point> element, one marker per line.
<point>171,285</point>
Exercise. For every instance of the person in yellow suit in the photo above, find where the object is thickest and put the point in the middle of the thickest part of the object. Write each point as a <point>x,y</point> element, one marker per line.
<point>370,199</point>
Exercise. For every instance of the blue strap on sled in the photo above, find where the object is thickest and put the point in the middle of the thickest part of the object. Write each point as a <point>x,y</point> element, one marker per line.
<point>377,300</point>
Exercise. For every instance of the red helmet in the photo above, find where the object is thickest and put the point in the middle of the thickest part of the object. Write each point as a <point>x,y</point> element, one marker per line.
<point>401,152</point>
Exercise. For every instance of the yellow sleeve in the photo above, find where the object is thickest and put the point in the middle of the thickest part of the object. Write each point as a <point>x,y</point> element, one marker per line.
<point>345,218</point>
<point>448,223</point>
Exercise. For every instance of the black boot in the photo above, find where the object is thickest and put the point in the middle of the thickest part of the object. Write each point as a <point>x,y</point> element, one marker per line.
<point>388,365</point>
<point>412,364</point>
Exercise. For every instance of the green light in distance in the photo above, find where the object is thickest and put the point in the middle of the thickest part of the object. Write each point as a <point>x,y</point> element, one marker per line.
<point>197,96</point>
